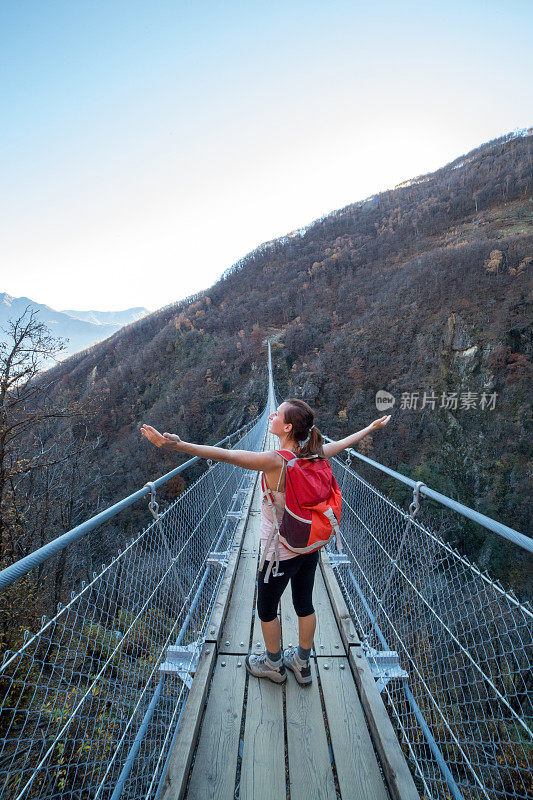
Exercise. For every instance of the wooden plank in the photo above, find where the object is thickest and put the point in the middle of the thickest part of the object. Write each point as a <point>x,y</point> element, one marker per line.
<point>220,609</point>
<point>236,632</point>
<point>397,773</point>
<point>263,758</point>
<point>355,760</point>
<point>250,543</point>
<point>328,641</point>
<point>338,604</point>
<point>252,538</point>
<point>215,764</point>
<point>310,772</point>
<point>258,496</point>
<point>180,759</point>
<point>258,643</point>
<point>399,779</point>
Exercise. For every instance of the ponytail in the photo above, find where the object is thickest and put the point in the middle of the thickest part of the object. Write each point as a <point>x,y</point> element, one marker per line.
<point>313,446</point>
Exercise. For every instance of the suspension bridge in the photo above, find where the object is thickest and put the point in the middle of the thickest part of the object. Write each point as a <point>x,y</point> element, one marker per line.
<point>136,687</point>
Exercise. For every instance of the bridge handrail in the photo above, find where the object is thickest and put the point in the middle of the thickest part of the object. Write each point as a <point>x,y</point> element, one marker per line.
<point>520,539</point>
<point>38,557</point>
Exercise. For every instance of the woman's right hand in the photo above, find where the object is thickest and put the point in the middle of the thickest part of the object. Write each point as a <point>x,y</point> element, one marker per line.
<point>381,422</point>
<point>170,441</point>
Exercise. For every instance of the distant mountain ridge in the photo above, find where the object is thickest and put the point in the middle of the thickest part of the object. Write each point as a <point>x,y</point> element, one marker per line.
<point>109,317</point>
<point>81,328</point>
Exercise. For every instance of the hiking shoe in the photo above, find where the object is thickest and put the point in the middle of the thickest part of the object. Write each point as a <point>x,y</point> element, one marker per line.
<point>301,669</point>
<point>261,666</point>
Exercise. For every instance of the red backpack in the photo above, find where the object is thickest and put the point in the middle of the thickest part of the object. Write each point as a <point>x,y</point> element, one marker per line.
<point>312,508</point>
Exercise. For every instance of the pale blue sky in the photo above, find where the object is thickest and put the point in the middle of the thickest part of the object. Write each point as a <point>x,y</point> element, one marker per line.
<point>148,146</point>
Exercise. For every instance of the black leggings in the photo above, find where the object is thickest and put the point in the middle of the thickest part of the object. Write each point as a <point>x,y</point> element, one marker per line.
<point>300,570</point>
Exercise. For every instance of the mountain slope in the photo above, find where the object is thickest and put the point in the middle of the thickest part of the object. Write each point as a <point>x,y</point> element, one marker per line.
<point>423,288</point>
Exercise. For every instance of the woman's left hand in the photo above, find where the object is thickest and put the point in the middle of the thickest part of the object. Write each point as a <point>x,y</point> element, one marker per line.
<point>381,422</point>
<point>169,440</point>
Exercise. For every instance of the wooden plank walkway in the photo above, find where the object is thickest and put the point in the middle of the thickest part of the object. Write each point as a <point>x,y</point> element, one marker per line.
<point>255,740</point>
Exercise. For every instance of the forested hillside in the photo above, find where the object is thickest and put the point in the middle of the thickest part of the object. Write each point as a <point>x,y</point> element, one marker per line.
<point>423,288</point>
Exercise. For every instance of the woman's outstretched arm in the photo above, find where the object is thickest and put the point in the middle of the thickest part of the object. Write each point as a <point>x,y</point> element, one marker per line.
<point>332,448</point>
<point>242,458</point>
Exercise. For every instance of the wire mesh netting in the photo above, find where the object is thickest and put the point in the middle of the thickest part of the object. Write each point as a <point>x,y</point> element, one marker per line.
<point>464,643</point>
<point>88,709</point>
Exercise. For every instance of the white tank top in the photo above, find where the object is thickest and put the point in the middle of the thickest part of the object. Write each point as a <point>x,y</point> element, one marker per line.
<point>267,523</point>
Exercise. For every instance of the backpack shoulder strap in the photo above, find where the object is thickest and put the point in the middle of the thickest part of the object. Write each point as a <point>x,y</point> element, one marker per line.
<point>288,455</point>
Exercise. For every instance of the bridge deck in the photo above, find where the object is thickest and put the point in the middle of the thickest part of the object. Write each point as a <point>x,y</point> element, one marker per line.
<point>242,737</point>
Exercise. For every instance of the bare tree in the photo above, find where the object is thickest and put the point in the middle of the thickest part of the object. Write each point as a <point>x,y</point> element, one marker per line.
<point>39,457</point>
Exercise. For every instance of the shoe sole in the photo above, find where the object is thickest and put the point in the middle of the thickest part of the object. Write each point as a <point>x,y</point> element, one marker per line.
<point>278,683</point>
<point>301,683</point>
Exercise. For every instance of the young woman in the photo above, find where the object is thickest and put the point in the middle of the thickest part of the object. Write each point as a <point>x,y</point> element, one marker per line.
<point>293,423</point>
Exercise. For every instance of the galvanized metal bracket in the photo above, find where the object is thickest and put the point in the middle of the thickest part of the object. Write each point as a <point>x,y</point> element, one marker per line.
<point>233,514</point>
<point>338,558</point>
<point>414,508</point>
<point>218,559</point>
<point>182,660</point>
<point>384,665</point>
